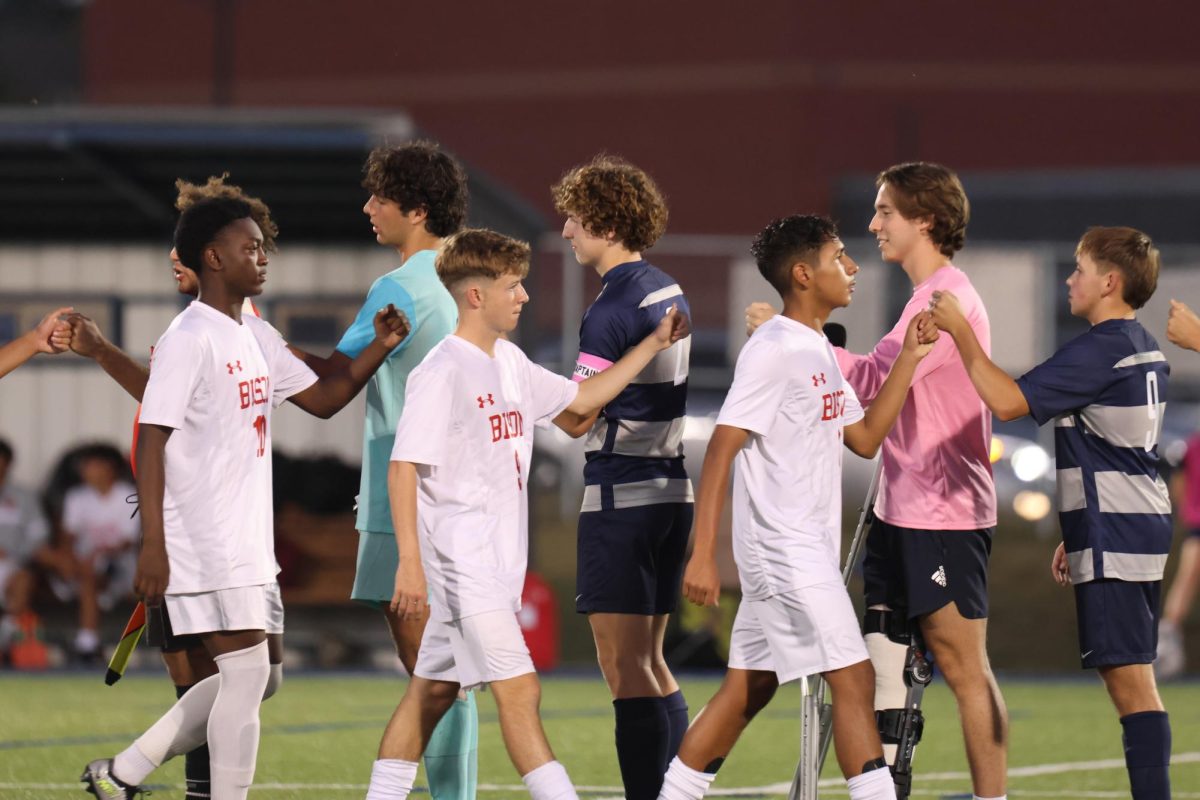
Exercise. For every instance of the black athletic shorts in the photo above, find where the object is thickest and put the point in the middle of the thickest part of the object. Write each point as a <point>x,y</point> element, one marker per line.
<point>630,560</point>
<point>921,571</point>
<point>1118,621</point>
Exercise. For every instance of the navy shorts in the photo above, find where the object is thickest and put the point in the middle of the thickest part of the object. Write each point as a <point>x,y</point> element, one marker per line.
<point>1118,621</point>
<point>630,560</point>
<point>921,571</point>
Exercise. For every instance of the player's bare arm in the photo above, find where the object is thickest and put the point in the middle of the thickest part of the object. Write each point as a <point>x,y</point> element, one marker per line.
<point>701,581</point>
<point>153,570</point>
<point>602,387</point>
<point>996,387</point>
<point>757,314</point>
<point>89,342</point>
<point>865,436</point>
<point>1183,326</point>
<point>51,335</point>
<point>334,390</point>
<point>410,597</point>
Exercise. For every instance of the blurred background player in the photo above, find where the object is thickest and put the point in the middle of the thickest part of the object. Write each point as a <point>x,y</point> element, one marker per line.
<point>102,531</point>
<point>637,501</point>
<point>1185,492</point>
<point>458,483</point>
<point>927,551</point>
<point>24,548</point>
<point>51,335</point>
<point>784,422</point>
<point>418,197</point>
<point>1106,391</point>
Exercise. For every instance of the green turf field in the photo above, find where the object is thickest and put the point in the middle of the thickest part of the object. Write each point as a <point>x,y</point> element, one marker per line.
<point>320,735</point>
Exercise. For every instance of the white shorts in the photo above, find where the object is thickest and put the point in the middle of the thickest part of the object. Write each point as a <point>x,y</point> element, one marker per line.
<point>245,608</point>
<point>474,651</point>
<point>802,632</point>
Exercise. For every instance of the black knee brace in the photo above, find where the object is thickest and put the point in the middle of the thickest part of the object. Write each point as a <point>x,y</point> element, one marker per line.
<point>902,726</point>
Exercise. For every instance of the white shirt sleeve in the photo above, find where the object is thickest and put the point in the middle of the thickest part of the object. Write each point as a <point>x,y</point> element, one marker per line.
<point>854,409</point>
<point>175,375</point>
<point>424,432</point>
<point>289,375</point>
<point>550,393</point>
<point>760,381</point>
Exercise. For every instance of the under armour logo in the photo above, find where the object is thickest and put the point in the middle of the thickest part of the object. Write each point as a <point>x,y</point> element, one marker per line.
<point>232,365</point>
<point>939,577</point>
<point>819,380</point>
<point>480,400</point>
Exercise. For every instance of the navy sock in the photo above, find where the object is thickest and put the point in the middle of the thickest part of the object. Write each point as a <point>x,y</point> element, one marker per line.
<point>1147,739</point>
<point>643,729</point>
<point>677,714</point>
<point>195,765</point>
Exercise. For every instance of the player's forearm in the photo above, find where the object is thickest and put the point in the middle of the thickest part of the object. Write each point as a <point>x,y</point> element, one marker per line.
<point>151,484</point>
<point>334,390</point>
<point>604,386</point>
<point>402,499</point>
<point>129,374</point>
<point>996,387</point>
<point>321,366</point>
<point>881,415</point>
<point>17,352</point>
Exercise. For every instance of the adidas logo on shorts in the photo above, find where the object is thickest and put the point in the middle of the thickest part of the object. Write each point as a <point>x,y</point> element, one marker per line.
<point>939,577</point>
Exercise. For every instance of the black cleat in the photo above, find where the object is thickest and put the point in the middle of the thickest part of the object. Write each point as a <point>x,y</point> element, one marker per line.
<point>99,780</point>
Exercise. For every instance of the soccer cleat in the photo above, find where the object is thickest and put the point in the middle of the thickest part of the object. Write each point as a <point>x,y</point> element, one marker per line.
<point>100,781</point>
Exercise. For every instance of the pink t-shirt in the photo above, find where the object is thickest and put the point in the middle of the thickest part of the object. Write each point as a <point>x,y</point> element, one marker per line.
<point>936,470</point>
<point>1190,507</point>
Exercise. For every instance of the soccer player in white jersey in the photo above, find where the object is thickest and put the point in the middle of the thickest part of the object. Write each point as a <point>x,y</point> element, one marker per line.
<point>457,482</point>
<point>187,661</point>
<point>783,424</point>
<point>204,483</point>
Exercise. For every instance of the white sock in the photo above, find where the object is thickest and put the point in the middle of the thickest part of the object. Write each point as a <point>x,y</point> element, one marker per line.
<point>887,657</point>
<point>549,782</point>
<point>182,729</point>
<point>391,779</point>
<point>874,785</point>
<point>1001,797</point>
<point>233,726</point>
<point>684,783</point>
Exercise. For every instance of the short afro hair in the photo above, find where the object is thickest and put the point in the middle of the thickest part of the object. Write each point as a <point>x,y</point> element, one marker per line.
<point>786,241</point>
<point>419,176</point>
<point>190,194</point>
<point>201,222</point>
<point>610,195</point>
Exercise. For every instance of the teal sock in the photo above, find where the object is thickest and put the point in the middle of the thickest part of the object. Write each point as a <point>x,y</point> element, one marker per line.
<point>451,762</point>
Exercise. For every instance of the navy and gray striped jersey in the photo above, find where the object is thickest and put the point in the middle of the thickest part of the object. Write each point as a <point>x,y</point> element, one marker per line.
<point>1107,392</point>
<point>635,450</point>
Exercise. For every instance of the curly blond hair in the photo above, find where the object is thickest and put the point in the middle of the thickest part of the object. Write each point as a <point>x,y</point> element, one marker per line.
<point>216,187</point>
<point>610,195</point>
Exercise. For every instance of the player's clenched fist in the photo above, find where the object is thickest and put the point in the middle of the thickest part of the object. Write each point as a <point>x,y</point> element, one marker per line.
<point>757,314</point>
<point>1183,326</point>
<point>409,598</point>
<point>391,326</point>
<point>947,312</point>
<point>921,335</point>
<point>701,583</point>
<point>671,328</point>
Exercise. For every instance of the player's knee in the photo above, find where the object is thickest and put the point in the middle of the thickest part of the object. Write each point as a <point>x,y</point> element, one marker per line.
<point>761,690</point>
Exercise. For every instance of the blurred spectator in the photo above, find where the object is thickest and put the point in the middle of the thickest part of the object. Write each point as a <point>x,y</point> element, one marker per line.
<point>24,545</point>
<point>100,527</point>
<point>1185,492</point>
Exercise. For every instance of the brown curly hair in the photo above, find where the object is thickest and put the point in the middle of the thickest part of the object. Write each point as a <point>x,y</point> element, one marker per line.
<point>610,195</point>
<point>480,253</point>
<point>922,190</point>
<point>1129,251</point>
<point>216,187</point>
<point>420,176</point>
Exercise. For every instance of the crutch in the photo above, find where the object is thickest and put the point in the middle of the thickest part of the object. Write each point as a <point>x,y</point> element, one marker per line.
<point>816,714</point>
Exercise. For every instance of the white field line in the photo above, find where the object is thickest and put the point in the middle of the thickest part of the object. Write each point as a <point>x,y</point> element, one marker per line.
<point>750,791</point>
